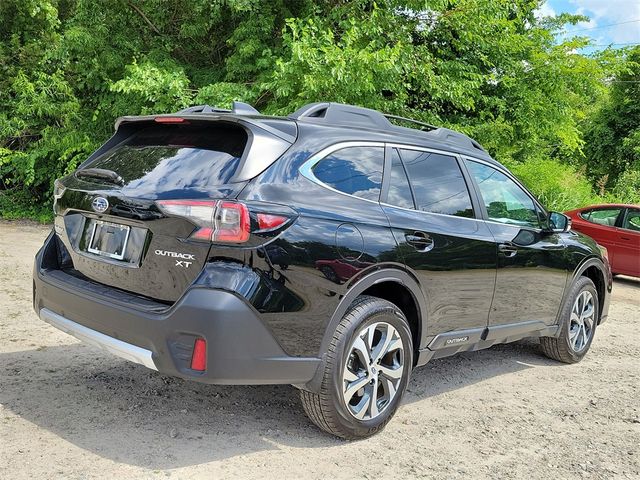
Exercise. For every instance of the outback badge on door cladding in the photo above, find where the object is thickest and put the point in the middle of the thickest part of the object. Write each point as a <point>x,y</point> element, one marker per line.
<point>100,204</point>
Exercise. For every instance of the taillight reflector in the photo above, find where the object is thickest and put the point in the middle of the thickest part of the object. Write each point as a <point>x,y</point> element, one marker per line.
<point>269,222</point>
<point>199,356</point>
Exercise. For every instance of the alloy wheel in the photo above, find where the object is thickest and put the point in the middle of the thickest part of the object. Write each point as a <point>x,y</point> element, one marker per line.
<point>373,370</point>
<point>582,321</point>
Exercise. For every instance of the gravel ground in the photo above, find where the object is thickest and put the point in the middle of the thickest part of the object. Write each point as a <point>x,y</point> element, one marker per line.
<point>70,411</point>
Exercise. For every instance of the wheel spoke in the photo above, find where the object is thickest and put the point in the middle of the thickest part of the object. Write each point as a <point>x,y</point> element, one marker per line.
<point>573,336</point>
<point>577,306</point>
<point>585,338</point>
<point>374,400</point>
<point>361,409</point>
<point>383,344</point>
<point>353,387</point>
<point>350,376</point>
<point>389,387</point>
<point>389,343</point>
<point>361,349</point>
<point>587,311</point>
<point>391,373</point>
<point>588,322</point>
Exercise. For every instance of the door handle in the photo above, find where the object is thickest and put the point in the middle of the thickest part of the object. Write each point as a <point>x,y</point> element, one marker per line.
<point>625,238</point>
<point>508,249</point>
<point>420,241</point>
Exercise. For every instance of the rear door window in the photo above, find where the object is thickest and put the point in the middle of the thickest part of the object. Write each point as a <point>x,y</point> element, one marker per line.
<point>438,184</point>
<point>602,216</point>
<point>632,220</point>
<point>399,190</point>
<point>163,158</point>
<point>353,170</point>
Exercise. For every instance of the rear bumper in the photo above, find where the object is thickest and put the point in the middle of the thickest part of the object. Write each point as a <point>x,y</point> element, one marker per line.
<point>240,348</point>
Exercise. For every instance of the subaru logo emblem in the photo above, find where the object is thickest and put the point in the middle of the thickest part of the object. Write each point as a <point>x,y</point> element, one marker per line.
<point>100,204</point>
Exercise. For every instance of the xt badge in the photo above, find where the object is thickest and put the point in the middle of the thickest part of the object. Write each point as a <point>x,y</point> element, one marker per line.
<point>183,256</point>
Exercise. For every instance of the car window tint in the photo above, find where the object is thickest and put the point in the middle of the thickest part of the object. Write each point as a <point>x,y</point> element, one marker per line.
<point>632,222</point>
<point>353,170</point>
<point>504,200</point>
<point>174,158</point>
<point>399,190</point>
<point>438,184</point>
<point>602,216</point>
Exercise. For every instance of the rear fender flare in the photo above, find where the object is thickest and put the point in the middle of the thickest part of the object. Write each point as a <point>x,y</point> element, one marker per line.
<point>379,276</point>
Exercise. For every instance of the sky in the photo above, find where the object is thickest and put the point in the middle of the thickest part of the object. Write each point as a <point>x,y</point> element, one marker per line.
<point>612,22</point>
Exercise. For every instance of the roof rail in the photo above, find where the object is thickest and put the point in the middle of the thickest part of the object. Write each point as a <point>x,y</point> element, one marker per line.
<point>340,114</point>
<point>428,126</point>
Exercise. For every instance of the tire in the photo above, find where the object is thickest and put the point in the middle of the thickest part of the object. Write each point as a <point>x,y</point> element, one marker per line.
<point>330,408</point>
<point>569,346</point>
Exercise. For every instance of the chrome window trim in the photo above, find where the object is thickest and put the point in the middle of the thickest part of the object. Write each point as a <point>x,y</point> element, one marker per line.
<point>306,169</point>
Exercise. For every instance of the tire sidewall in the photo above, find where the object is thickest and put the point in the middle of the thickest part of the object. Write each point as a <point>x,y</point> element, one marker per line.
<point>375,314</point>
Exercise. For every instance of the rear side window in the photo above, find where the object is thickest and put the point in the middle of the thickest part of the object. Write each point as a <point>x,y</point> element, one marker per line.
<point>163,158</point>
<point>438,184</point>
<point>353,170</point>
<point>602,216</point>
<point>632,222</point>
<point>399,190</point>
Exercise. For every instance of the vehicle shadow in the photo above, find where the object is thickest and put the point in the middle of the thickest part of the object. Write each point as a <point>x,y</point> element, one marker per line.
<point>95,401</point>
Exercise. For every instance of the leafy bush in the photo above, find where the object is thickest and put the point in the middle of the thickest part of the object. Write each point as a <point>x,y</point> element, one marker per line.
<point>558,186</point>
<point>627,189</point>
<point>491,69</point>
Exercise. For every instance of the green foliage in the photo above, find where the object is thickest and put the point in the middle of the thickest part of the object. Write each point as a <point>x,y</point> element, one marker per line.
<point>613,133</point>
<point>560,187</point>
<point>627,188</point>
<point>68,68</point>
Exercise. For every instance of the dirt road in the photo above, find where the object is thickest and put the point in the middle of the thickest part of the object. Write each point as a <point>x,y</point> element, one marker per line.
<point>70,411</point>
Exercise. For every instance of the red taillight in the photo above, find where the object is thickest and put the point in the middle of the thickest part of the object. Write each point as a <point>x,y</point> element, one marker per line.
<point>199,356</point>
<point>221,220</point>
<point>218,221</point>
<point>232,223</point>
<point>171,120</point>
<point>269,222</point>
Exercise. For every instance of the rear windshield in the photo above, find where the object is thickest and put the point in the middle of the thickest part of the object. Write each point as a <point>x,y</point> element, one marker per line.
<point>163,158</point>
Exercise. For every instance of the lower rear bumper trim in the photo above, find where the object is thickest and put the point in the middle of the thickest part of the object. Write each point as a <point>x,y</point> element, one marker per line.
<point>112,345</point>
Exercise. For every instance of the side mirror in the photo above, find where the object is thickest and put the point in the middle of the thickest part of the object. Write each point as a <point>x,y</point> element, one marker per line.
<point>559,222</point>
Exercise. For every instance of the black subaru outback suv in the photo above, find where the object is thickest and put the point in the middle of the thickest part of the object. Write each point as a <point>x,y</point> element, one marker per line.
<point>331,249</point>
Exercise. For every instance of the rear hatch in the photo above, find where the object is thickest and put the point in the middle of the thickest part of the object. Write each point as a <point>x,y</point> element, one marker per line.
<point>138,215</point>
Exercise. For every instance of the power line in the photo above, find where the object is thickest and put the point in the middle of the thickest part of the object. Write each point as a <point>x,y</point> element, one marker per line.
<point>612,44</point>
<point>603,26</point>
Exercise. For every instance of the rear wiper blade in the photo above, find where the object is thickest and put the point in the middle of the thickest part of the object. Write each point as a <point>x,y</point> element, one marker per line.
<point>102,174</point>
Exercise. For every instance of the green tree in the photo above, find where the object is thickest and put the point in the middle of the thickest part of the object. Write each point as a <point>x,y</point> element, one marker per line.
<point>612,150</point>
<point>494,70</point>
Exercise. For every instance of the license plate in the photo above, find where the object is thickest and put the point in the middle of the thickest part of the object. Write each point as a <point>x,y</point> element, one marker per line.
<point>109,239</point>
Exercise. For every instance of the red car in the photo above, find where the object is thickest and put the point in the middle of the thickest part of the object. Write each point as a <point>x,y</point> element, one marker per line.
<point>616,227</point>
